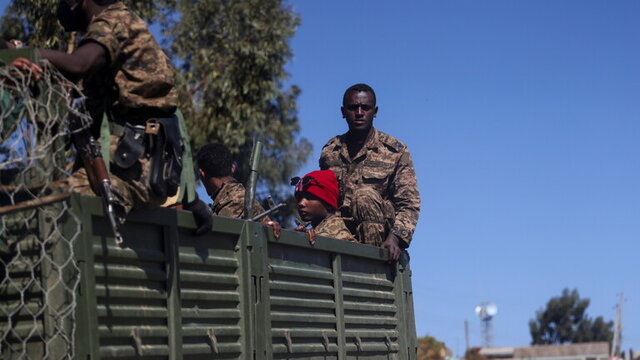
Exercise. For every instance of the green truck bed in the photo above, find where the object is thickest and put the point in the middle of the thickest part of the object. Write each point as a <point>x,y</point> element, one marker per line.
<point>235,293</point>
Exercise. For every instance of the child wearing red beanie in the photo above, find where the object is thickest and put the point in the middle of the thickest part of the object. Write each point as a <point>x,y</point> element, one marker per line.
<point>317,197</point>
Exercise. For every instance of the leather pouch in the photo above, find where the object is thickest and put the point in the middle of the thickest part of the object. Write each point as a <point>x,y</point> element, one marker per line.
<point>131,147</point>
<point>166,155</point>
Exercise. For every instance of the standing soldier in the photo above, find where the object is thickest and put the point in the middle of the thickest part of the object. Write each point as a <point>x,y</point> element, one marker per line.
<point>378,187</point>
<point>128,82</point>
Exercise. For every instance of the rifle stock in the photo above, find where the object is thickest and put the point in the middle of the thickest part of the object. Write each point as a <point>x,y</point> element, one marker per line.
<point>90,152</point>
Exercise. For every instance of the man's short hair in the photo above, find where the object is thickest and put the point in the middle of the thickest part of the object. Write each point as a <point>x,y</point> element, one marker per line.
<point>215,160</point>
<point>358,88</point>
<point>3,44</point>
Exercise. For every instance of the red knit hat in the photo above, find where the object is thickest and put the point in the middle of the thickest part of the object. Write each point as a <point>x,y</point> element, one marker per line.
<point>321,183</point>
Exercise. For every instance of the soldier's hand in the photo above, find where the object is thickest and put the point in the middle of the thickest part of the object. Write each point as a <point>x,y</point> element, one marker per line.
<point>276,228</point>
<point>25,65</point>
<point>393,244</point>
<point>202,215</point>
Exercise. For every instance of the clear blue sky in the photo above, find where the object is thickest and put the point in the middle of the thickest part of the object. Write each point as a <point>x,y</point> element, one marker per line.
<point>523,119</point>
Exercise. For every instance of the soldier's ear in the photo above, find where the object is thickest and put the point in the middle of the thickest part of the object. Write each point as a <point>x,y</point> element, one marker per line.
<point>375,111</point>
<point>201,172</point>
<point>342,111</point>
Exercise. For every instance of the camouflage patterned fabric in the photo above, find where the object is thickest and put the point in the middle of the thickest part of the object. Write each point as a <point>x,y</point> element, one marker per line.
<point>333,226</point>
<point>377,187</point>
<point>138,82</point>
<point>229,202</point>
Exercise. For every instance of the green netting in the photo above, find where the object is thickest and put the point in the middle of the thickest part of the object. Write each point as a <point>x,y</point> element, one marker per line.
<point>38,272</point>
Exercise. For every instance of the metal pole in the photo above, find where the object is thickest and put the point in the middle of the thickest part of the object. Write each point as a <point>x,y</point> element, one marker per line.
<point>253,180</point>
<point>466,336</point>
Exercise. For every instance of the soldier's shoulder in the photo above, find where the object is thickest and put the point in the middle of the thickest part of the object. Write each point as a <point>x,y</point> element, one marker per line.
<point>117,12</point>
<point>337,140</point>
<point>391,142</point>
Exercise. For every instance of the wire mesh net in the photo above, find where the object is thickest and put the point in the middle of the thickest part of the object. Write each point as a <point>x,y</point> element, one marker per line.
<point>38,272</point>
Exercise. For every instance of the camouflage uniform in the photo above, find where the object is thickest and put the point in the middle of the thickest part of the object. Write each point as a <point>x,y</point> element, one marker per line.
<point>229,202</point>
<point>378,187</point>
<point>136,84</point>
<point>333,226</point>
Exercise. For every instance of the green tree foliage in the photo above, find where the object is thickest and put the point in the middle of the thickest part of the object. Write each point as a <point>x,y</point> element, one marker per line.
<point>230,57</point>
<point>429,348</point>
<point>34,21</point>
<point>564,320</point>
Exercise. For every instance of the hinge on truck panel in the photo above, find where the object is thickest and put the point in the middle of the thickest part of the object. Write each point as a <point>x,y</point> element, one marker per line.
<point>289,343</point>
<point>387,341</point>
<point>213,340</point>
<point>325,341</point>
<point>359,343</point>
<point>137,341</point>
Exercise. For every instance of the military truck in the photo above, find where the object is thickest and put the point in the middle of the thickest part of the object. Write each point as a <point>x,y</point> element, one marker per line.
<point>68,290</point>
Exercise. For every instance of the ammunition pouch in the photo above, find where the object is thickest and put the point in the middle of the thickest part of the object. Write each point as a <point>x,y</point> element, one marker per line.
<point>166,149</point>
<point>131,146</point>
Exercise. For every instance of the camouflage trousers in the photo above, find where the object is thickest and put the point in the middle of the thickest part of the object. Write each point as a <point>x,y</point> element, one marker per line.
<point>372,216</point>
<point>130,186</point>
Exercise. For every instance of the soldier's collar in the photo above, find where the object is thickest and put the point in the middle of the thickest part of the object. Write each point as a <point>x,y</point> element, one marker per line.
<point>373,141</point>
<point>230,181</point>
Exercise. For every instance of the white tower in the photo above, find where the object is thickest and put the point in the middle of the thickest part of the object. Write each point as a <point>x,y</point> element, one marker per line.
<point>486,311</point>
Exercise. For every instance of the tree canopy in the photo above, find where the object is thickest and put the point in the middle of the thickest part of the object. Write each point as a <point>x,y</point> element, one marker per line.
<point>564,320</point>
<point>230,57</point>
<point>429,348</point>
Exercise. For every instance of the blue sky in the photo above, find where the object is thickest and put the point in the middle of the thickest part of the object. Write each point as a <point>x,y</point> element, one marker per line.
<point>523,121</point>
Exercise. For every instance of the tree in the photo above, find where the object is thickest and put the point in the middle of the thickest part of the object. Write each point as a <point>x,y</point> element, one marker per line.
<point>33,21</point>
<point>565,321</point>
<point>230,57</point>
<point>429,348</point>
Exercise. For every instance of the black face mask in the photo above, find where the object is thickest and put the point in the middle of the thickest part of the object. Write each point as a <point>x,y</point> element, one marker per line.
<point>71,19</point>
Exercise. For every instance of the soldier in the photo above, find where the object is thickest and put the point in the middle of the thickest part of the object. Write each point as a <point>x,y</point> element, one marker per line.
<point>216,169</point>
<point>127,80</point>
<point>317,198</point>
<point>378,187</point>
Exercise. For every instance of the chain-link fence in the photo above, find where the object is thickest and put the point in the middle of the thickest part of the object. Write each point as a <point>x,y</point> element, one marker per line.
<point>38,271</point>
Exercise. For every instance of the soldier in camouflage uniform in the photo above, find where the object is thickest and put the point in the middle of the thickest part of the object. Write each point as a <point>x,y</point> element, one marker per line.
<point>127,79</point>
<point>378,188</point>
<point>216,169</point>
<point>317,197</point>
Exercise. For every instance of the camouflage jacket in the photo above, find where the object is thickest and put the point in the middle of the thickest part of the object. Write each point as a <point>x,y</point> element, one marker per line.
<point>229,202</point>
<point>138,81</point>
<point>333,226</point>
<point>383,163</point>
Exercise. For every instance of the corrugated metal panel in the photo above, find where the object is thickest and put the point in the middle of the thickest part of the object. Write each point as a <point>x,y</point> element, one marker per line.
<point>132,291</point>
<point>303,310</point>
<point>370,309</point>
<point>210,295</point>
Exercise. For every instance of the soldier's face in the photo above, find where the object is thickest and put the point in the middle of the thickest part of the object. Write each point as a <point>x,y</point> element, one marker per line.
<point>311,208</point>
<point>359,109</point>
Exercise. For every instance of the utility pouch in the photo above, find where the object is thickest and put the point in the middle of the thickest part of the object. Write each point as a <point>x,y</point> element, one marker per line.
<point>166,150</point>
<point>131,146</point>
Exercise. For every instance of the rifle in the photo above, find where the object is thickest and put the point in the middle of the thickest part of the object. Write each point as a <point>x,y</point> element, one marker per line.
<point>90,152</point>
<point>268,212</point>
